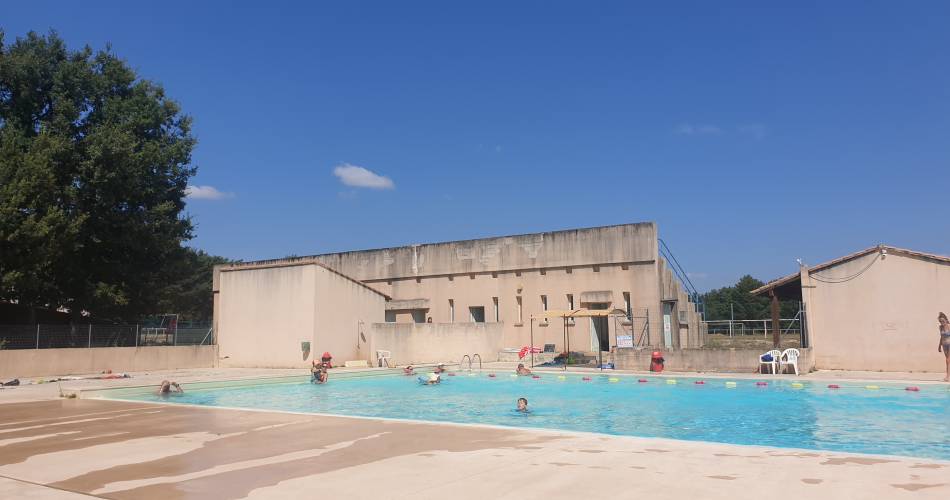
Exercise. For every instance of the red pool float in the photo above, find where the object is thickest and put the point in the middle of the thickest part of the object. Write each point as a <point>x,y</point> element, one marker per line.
<point>699,382</point>
<point>643,380</point>
<point>451,374</point>
<point>912,388</point>
<point>491,375</point>
<point>834,386</point>
<point>585,379</point>
<point>761,384</point>
<point>536,376</point>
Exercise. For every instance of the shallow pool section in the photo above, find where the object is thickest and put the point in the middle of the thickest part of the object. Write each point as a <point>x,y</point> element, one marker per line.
<point>886,420</point>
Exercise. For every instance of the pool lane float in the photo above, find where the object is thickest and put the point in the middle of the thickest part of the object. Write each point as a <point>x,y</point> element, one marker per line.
<point>613,380</point>
<point>699,382</point>
<point>561,377</point>
<point>834,386</point>
<point>513,375</point>
<point>585,379</point>
<point>671,381</point>
<point>643,381</point>
<point>872,387</point>
<point>471,374</point>
<point>912,388</point>
<point>797,385</point>
<point>451,374</point>
<point>761,384</point>
<point>730,385</point>
<point>491,375</point>
<point>536,377</point>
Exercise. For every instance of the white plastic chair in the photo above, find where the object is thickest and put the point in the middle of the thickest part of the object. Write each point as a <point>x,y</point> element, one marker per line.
<point>773,365</point>
<point>789,357</point>
<point>384,357</point>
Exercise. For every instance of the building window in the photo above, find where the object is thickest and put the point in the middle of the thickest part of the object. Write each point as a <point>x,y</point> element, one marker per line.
<point>626,304</point>
<point>543,272</point>
<point>520,310</point>
<point>451,311</point>
<point>596,269</point>
<point>494,301</point>
<point>477,313</point>
<point>544,303</point>
<point>390,316</point>
<point>570,301</point>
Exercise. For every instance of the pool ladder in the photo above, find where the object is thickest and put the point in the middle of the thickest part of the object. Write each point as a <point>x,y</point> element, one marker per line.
<point>470,360</point>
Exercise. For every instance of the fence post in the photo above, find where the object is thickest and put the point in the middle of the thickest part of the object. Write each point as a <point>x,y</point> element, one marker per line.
<point>136,335</point>
<point>37,335</point>
<point>90,336</point>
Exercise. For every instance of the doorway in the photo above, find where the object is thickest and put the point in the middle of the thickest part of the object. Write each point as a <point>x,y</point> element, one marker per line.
<point>668,324</point>
<point>599,329</point>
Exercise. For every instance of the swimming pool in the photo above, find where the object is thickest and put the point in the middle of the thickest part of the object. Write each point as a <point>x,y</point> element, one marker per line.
<point>888,420</point>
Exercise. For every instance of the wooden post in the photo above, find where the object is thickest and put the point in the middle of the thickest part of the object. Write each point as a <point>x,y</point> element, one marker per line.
<point>776,328</point>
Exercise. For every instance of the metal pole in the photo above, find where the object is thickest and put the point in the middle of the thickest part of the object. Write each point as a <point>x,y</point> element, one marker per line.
<point>37,335</point>
<point>90,336</point>
<point>531,347</point>
<point>136,335</point>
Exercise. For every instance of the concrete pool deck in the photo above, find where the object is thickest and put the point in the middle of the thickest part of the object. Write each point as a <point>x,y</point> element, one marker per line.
<point>55,448</point>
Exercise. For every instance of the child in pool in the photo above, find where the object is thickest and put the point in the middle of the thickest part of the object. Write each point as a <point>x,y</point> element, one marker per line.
<point>522,405</point>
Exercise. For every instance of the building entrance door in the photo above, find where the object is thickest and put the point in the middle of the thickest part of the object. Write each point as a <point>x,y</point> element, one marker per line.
<point>599,329</point>
<point>668,324</point>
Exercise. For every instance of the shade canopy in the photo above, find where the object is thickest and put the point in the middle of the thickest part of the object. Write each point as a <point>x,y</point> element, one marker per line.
<point>579,313</point>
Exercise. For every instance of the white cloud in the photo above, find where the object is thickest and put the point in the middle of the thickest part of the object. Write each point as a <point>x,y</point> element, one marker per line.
<point>352,175</point>
<point>206,193</point>
<point>755,130</point>
<point>690,129</point>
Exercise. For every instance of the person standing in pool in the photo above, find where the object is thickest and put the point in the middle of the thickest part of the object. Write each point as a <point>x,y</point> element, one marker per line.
<point>523,405</point>
<point>169,387</point>
<point>521,370</point>
<point>944,344</point>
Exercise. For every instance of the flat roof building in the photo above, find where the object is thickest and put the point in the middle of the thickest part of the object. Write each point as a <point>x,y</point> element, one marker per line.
<point>501,283</point>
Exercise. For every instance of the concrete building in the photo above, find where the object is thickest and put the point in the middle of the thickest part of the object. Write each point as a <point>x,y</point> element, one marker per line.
<point>284,315</point>
<point>872,310</point>
<point>488,287</point>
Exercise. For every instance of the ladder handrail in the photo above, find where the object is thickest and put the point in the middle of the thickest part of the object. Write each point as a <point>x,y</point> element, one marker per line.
<point>462,362</point>
<point>479,361</point>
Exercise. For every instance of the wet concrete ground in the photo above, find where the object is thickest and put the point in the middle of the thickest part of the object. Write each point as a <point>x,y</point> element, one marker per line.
<point>65,449</point>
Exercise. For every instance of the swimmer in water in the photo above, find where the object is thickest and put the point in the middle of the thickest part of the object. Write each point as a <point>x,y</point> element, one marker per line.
<point>521,370</point>
<point>408,370</point>
<point>440,368</point>
<point>169,387</point>
<point>523,405</point>
<point>434,379</point>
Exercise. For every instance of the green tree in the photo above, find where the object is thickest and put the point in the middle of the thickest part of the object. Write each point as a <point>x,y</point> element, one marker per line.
<point>94,162</point>
<point>188,291</point>
<point>745,305</point>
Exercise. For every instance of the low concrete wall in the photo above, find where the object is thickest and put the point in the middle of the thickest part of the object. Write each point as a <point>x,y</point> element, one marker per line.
<point>704,360</point>
<point>47,362</point>
<point>436,342</point>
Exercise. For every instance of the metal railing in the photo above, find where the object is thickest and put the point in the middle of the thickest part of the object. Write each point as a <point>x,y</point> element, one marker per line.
<point>42,336</point>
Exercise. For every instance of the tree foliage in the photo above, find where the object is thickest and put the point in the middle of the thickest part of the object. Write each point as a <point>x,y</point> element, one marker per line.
<point>94,162</point>
<point>188,291</point>
<point>746,306</point>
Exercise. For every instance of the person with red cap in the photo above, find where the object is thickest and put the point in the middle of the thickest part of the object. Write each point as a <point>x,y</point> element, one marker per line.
<point>327,360</point>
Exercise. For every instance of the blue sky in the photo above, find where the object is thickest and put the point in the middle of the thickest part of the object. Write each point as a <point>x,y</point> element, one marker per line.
<point>753,133</point>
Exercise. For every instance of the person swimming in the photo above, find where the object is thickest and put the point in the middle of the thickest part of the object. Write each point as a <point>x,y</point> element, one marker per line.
<point>521,370</point>
<point>523,405</point>
<point>168,387</point>
<point>440,368</point>
<point>433,379</point>
<point>408,370</point>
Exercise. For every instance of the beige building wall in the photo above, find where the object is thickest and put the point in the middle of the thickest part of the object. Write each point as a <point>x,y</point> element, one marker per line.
<point>410,343</point>
<point>264,314</point>
<point>582,262</point>
<point>884,319</point>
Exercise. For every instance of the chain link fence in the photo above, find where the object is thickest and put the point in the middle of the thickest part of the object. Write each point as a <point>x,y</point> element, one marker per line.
<point>65,336</point>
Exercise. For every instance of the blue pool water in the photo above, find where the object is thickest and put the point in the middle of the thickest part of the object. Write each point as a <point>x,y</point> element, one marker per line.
<point>853,419</point>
